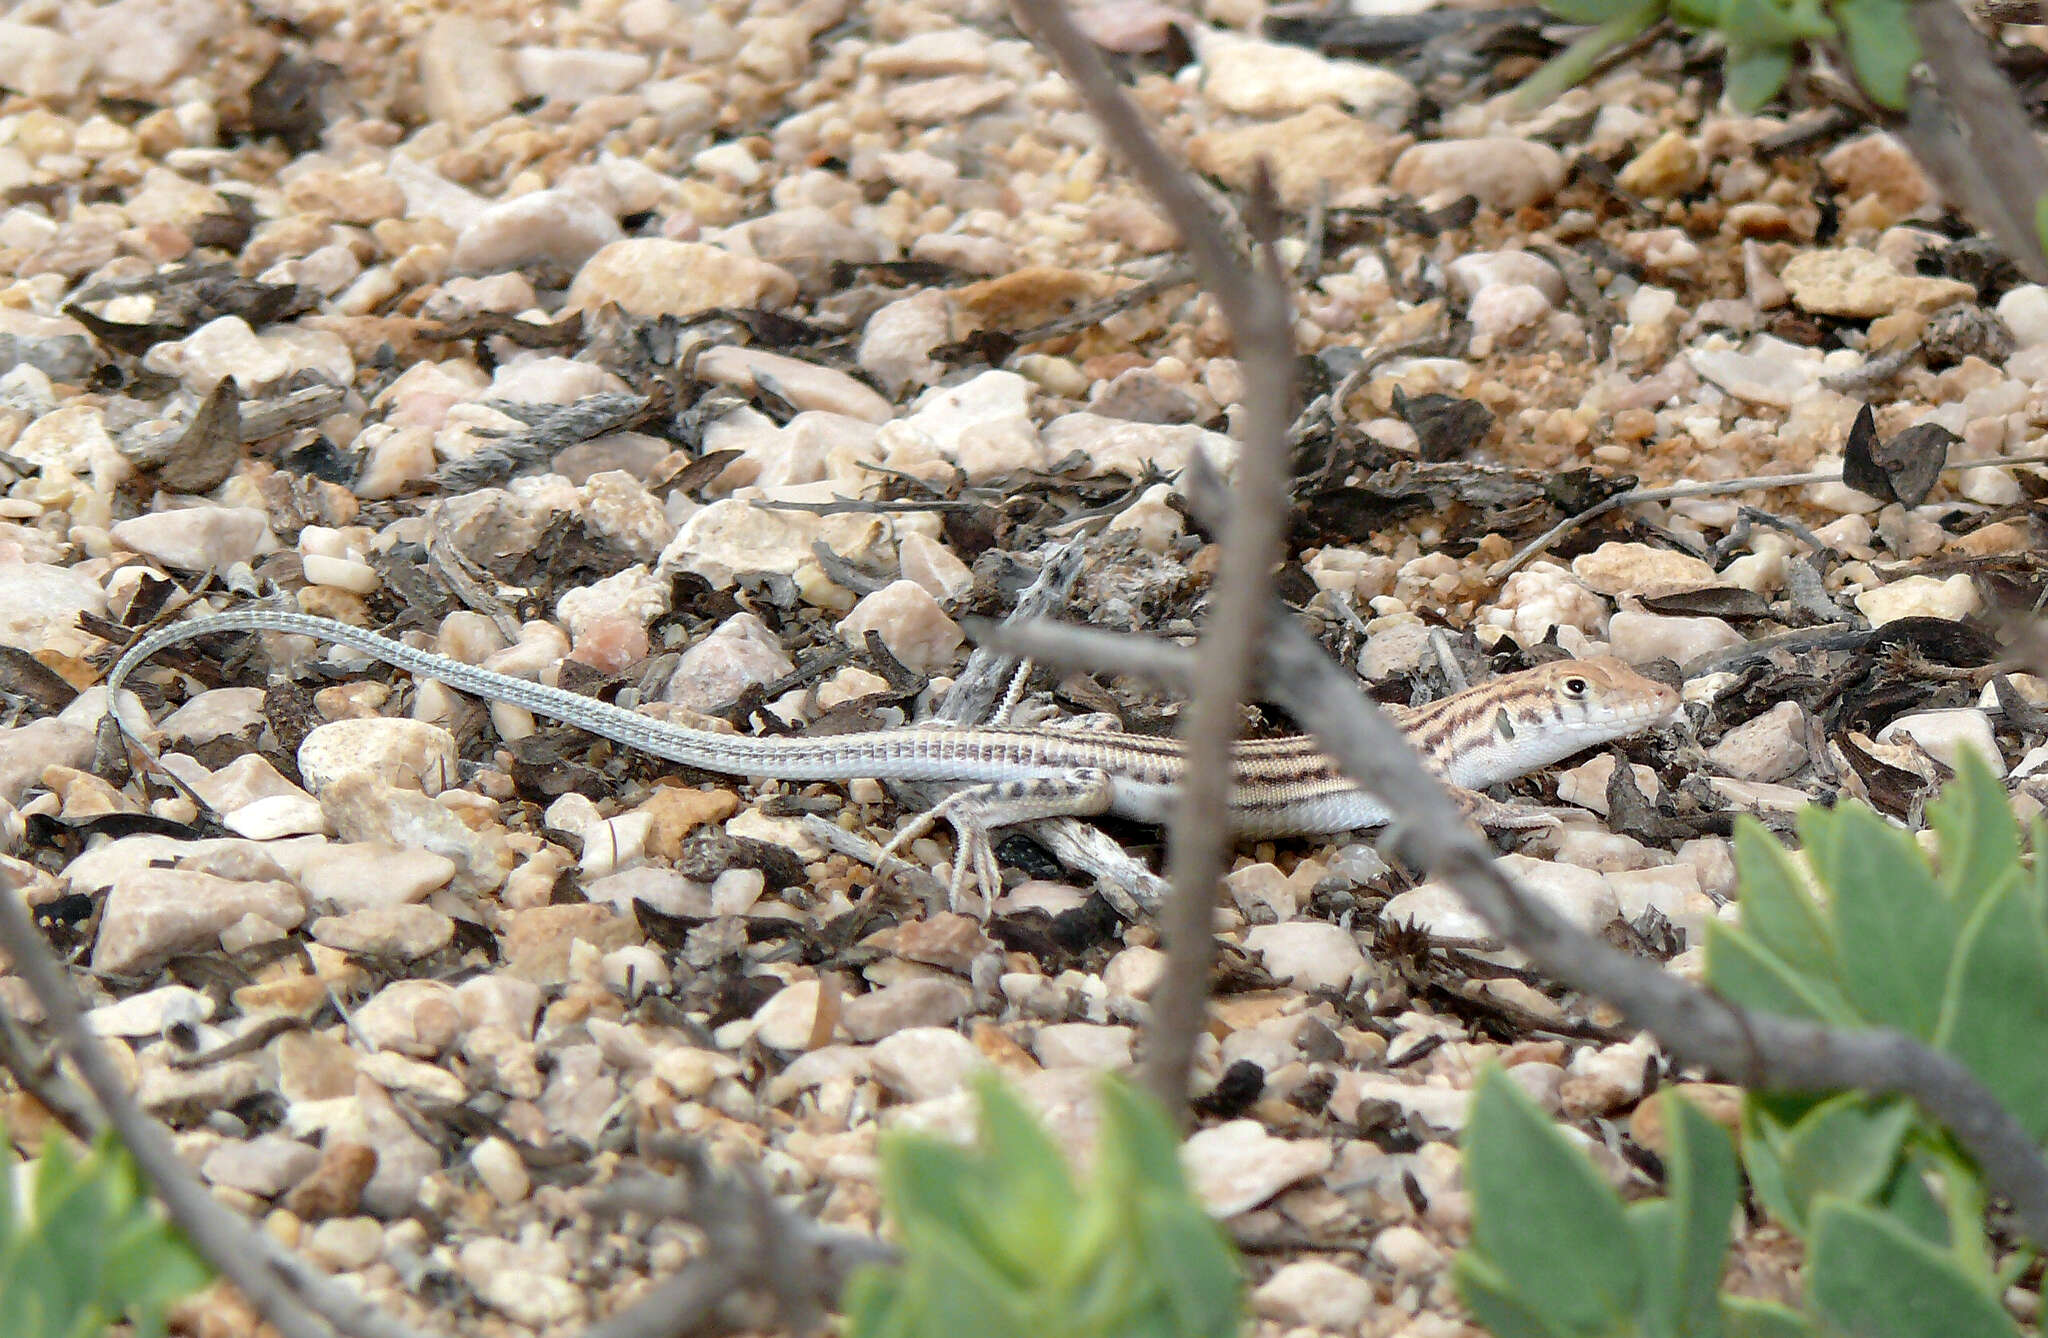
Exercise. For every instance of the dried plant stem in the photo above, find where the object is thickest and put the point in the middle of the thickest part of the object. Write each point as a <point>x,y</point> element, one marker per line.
<point>1717,488</point>
<point>1256,305</point>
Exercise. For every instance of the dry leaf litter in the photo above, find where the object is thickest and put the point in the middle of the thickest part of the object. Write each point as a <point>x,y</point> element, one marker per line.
<point>497,324</point>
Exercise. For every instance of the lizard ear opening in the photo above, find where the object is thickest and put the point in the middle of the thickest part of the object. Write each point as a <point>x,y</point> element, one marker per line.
<point>1503,725</point>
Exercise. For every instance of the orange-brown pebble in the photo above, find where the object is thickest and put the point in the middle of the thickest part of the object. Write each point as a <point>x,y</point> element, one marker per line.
<point>1719,1102</point>
<point>335,1186</point>
<point>677,812</point>
<point>1634,425</point>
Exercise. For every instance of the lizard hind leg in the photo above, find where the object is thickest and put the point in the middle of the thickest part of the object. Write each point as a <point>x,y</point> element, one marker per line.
<point>978,810</point>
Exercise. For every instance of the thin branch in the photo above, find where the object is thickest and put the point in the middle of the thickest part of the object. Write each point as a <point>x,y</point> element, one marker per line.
<point>1719,488</point>
<point>1255,303</point>
<point>1753,1049</point>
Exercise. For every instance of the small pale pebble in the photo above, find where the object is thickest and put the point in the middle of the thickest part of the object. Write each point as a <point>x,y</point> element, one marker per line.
<point>344,1244</point>
<point>1602,1081</point>
<point>911,623</point>
<point>633,970</point>
<point>738,654</point>
<point>805,385</point>
<point>1586,783</point>
<point>1641,570</point>
<point>1474,272</point>
<point>152,914</point>
<point>1600,850</point>
<point>1316,1294</point>
<point>1083,1045</point>
<point>1505,308</point>
<point>934,567</point>
<point>1759,796</point>
<point>1134,973</point>
<point>1309,954</point>
<point>924,1063</point>
<point>498,1165</point>
<point>896,342</point>
<point>1945,734</point>
<point>198,538</point>
<point>1673,889</point>
<point>342,573</point>
<point>921,1002</point>
<point>578,74</point>
<point>1713,860</point>
<point>148,1013</point>
<point>653,277</point>
<point>360,875</point>
<point>215,714</point>
<point>555,227</point>
<point>1638,637</point>
<point>1768,747</point>
<point>394,749</point>
<point>275,816</point>
<point>403,932</point>
<point>1236,1166</point>
<point>1406,1251</point>
<point>1953,597</point>
<point>265,1165</point>
<point>786,1020</point>
<point>1504,174</point>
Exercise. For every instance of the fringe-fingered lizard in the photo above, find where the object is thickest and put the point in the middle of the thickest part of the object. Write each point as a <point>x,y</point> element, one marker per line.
<point>1287,786</point>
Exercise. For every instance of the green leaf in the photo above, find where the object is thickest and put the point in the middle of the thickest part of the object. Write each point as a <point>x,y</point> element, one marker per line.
<point>1997,1019</point>
<point>1497,1306</point>
<point>1882,48</point>
<point>1702,1188</point>
<point>1543,1218</point>
<point>1592,11</point>
<point>1847,1147</point>
<point>1189,1259</point>
<point>1028,1176</point>
<point>1980,838</point>
<point>1756,74</point>
<point>1751,1317</point>
<point>1774,23</point>
<point>1570,66</point>
<point>1870,1277</point>
<point>1743,970</point>
<point>1778,907</point>
<point>1896,931</point>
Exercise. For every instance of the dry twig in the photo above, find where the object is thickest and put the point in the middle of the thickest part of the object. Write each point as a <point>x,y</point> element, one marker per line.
<point>1256,305</point>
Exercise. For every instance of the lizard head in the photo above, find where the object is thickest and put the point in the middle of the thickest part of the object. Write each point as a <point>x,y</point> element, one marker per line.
<point>1523,721</point>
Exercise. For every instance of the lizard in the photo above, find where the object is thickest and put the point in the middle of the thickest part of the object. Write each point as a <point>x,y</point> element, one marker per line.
<point>1284,786</point>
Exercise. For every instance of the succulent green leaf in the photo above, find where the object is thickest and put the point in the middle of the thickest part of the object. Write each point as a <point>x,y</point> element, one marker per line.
<point>1869,1276</point>
<point>1882,48</point>
<point>1571,66</point>
<point>1543,1218</point>
<point>1750,1317</point>
<point>1777,905</point>
<point>1743,970</point>
<point>1498,1307</point>
<point>1896,931</point>
<point>1846,1147</point>
<point>1028,1177</point>
<point>1980,838</point>
<point>1591,11</point>
<point>1774,23</point>
<point>1703,1185</point>
<point>1997,1019</point>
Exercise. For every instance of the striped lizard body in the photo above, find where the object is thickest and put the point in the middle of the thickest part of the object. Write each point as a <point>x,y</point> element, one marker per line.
<point>1484,735</point>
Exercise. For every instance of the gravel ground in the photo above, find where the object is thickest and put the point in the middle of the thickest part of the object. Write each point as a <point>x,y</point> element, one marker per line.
<point>497,326</point>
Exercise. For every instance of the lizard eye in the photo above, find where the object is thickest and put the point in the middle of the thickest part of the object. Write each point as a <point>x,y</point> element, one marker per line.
<point>1576,687</point>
